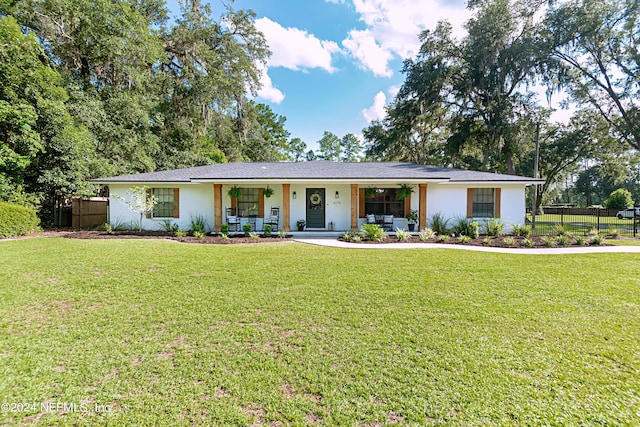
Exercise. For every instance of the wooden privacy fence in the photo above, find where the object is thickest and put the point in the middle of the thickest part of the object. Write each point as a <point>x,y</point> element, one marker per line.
<point>89,212</point>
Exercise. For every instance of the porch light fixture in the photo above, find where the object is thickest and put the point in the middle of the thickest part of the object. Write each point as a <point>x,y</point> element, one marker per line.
<point>337,195</point>
<point>295,196</point>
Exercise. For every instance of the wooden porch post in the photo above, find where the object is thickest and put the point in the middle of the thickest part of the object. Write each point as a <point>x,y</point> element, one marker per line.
<point>217,206</point>
<point>354,206</point>
<point>422,202</point>
<point>286,207</point>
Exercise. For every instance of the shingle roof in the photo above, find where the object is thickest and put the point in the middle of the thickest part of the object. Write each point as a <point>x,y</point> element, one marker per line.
<point>315,170</point>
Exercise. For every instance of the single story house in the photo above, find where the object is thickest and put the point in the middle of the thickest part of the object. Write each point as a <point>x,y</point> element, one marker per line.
<point>326,195</point>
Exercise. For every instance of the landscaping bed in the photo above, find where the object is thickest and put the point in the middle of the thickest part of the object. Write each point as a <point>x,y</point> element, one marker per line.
<point>496,242</point>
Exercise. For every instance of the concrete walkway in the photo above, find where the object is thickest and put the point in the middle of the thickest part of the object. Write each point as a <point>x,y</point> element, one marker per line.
<point>333,243</point>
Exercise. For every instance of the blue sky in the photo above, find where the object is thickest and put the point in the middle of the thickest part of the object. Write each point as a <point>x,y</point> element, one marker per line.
<point>336,63</point>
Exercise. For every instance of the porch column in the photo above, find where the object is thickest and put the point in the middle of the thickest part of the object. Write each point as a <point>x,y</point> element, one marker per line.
<point>422,202</point>
<point>354,206</point>
<point>217,206</point>
<point>286,207</point>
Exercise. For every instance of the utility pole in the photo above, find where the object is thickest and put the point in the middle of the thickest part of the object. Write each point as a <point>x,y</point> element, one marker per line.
<point>535,176</point>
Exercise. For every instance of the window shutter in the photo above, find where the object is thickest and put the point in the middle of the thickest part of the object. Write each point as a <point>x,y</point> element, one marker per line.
<point>261,203</point>
<point>496,206</point>
<point>149,213</point>
<point>176,203</point>
<point>469,202</point>
<point>361,212</point>
<point>407,205</point>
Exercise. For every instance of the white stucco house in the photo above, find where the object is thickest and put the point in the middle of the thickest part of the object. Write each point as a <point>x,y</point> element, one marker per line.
<point>326,195</point>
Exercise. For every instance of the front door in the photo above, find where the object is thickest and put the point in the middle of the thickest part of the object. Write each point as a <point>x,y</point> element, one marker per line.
<point>315,208</point>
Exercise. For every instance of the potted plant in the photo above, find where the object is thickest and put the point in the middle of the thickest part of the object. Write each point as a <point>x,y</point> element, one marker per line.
<point>412,218</point>
<point>300,224</point>
<point>234,192</point>
<point>370,192</point>
<point>404,191</point>
<point>267,192</point>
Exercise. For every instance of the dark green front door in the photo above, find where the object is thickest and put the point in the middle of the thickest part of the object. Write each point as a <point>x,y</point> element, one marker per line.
<point>315,208</point>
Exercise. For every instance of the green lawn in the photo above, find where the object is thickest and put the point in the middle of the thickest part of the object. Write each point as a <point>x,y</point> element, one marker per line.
<point>163,333</point>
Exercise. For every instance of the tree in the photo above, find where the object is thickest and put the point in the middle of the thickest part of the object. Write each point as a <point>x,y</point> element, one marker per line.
<point>297,149</point>
<point>140,202</point>
<point>330,148</point>
<point>619,199</point>
<point>351,148</point>
<point>476,89</point>
<point>595,44</point>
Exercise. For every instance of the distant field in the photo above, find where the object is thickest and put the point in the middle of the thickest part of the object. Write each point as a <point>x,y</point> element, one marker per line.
<point>149,332</point>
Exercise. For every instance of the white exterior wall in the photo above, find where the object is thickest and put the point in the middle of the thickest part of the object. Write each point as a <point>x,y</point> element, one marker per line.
<point>450,200</point>
<point>337,211</point>
<point>195,199</point>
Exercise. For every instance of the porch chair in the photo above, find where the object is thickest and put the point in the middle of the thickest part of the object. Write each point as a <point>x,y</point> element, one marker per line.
<point>387,223</point>
<point>232,220</point>
<point>274,219</point>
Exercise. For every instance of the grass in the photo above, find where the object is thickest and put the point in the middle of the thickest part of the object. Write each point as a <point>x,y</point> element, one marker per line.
<point>289,334</point>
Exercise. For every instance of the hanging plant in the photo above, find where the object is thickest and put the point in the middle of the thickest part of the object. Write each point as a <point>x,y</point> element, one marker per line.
<point>234,192</point>
<point>370,192</point>
<point>267,192</point>
<point>404,191</point>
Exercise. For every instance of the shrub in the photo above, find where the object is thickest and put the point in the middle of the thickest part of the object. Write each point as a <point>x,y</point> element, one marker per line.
<point>180,233</point>
<point>593,232</point>
<point>619,199</point>
<point>267,230</point>
<point>254,235</point>
<point>580,240</point>
<point>466,227</point>
<point>559,230</point>
<point>521,230</point>
<point>528,242</point>
<point>465,239</point>
<point>356,238</point>
<point>16,220</point>
<point>282,234</point>
<point>548,241</point>
<point>596,240</point>
<point>487,240</point>
<point>563,240</point>
<point>443,237</point>
<point>613,232</point>
<point>198,235</point>
<point>494,227</point>
<point>247,229</point>
<point>170,226</point>
<point>439,224</point>
<point>198,223</point>
<point>224,229</point>
<point>510,240</point>
<point>426,234</point>
<point>402,235</point>
<point>373,232</point>
<point>224,236</point>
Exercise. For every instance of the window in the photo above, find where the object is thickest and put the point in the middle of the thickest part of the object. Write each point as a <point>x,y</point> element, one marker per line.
<point>165,203</point>
<point>483,203</point>
<point>248,201</point>
<point>384,202</point>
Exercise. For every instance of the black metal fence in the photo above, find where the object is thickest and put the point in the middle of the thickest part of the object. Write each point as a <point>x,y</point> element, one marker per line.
<point>584,220</point>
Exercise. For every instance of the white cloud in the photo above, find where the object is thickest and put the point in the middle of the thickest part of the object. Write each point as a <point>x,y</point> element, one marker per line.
<point>268,92</point>
<point>393,27</point>
<point>296,49</point>
<point>376,111</point>
<point>363,46</point>
<point>393,90</point>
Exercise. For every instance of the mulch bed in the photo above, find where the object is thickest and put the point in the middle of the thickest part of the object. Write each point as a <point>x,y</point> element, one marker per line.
<point>495,242</point>
<point>84,234</point>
